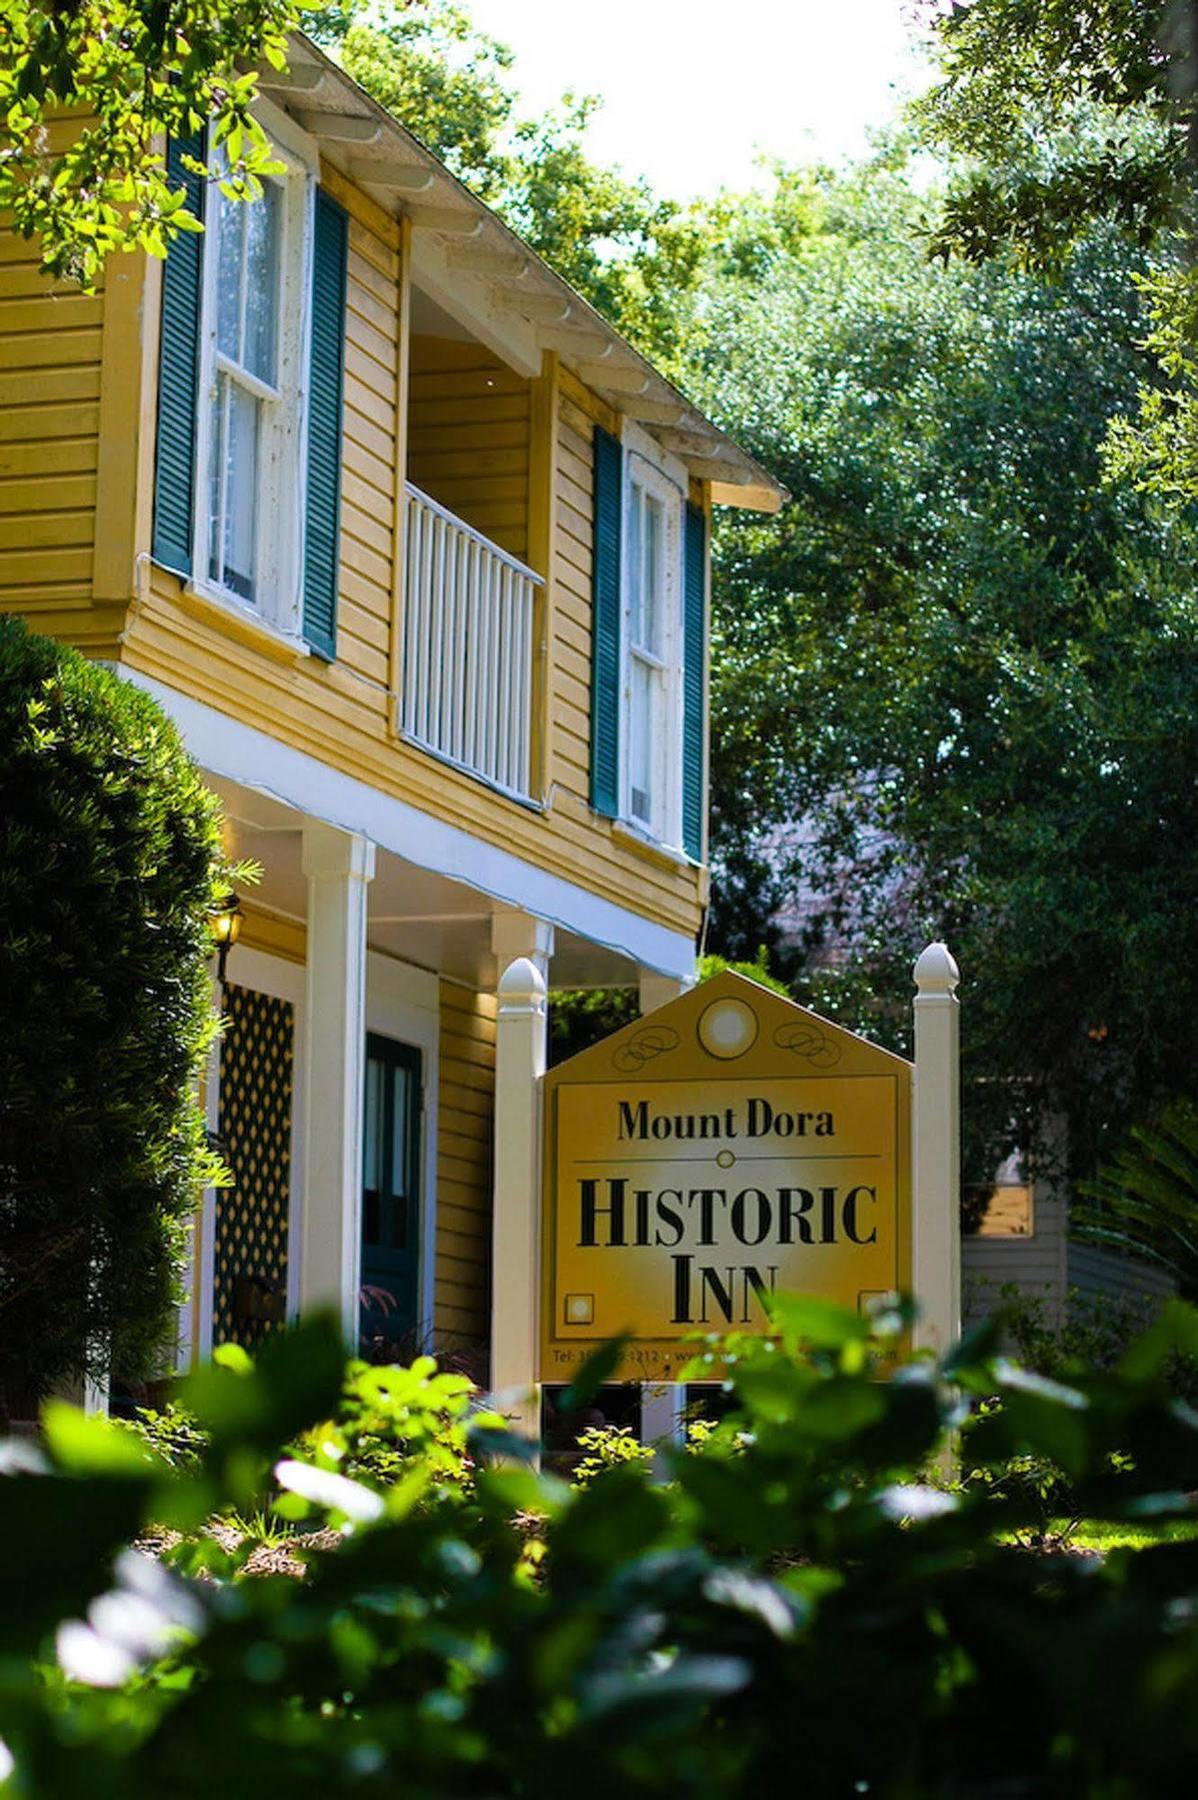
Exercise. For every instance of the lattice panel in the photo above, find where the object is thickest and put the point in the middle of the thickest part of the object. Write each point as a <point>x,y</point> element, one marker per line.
<point>256,1083</point>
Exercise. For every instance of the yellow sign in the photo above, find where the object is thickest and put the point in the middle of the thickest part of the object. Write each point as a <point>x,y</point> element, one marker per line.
<point>728,1146</point>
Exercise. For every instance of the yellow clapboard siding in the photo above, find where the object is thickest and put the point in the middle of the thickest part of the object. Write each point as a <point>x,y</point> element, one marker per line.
<point>471,458</point>
<point>366,525</point>
<point>371,626</point>
<point>366,308</point>
<point>70,312</point>
<point>362,272</point>
<point>469,436</point>
<point>465,1109</point>
<point>363,367</point>
<point>502,409</point>
<point>357,491</point>
<point>364,431</point>
<point>589,408</point>
<point>54,419</point>
<point>75,381</point>
<point>358,555</point>
<point>382,257</point>
<point>373,406</point>
<point>371,469</point>
<point>46,493</point>
<point>457,384</point>
<point>41,530</point>
<point>470,423</point>
<point>51,348</point>
<point>381,350</point>
<point>272,933</point>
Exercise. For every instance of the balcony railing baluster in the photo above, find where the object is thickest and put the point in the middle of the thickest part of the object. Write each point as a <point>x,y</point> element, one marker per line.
<point>468,647</point>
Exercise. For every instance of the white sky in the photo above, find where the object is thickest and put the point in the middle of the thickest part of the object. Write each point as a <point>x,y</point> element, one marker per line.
<point>694,90</point>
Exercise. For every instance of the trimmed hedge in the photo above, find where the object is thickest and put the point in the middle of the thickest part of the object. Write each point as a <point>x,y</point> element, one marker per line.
<point>109,856</point>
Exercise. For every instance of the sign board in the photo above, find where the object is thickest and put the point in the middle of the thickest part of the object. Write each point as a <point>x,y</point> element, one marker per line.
<point>729,1145</point>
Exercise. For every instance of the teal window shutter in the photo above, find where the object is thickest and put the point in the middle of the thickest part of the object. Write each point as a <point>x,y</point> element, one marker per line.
<point>322,517</point>
<point>605,625</point>
<point>694,590</point>
<point>178,373</point>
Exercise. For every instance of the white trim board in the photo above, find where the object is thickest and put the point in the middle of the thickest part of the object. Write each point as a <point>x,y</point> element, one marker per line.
<point>244,754</point>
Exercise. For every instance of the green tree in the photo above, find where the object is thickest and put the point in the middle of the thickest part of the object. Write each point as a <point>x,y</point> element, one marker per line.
<point>109,851</point>
<point>126,71</point>
<point>1146,1198</point>
<point>964,664</point>
<point>1061,116</point>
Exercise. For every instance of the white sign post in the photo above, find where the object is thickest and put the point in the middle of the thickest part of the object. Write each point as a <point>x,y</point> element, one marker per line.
<point>936,1152</point>
<point>516,1226</point>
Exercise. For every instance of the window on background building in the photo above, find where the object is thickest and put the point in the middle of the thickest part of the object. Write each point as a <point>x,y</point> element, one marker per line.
<point>1003,1208</point>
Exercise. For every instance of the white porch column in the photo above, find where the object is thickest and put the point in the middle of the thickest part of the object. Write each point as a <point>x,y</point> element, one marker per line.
<point>936,1152</point>
<point>515,933</point>
<point>520,1045</point>
<point>338,866</point>
<point>657,990</point>
<point>662,1402</point>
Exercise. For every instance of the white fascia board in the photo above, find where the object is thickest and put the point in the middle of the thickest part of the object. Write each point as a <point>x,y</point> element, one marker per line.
<point>246,755</point>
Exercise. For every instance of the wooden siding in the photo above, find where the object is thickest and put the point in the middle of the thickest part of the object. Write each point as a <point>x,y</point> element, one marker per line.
<point>271,932</point>
<point>1097,1274</point>
<point>525,459</point>
<point>50,357</point>
<point>465,1111</point>
<point>468,441</point>
<point>1035,1266</point>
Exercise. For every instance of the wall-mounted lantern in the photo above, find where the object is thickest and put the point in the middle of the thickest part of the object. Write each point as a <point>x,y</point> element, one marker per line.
<point>225,920</point>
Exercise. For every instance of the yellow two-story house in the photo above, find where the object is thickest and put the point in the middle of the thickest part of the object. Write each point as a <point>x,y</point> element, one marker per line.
<point>413,548</point>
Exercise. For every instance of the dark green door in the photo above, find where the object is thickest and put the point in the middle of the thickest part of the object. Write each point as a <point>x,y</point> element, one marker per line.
<point>390,1198</point>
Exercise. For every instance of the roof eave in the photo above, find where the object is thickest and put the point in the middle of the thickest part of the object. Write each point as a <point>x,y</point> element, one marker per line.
<point>394,167</point>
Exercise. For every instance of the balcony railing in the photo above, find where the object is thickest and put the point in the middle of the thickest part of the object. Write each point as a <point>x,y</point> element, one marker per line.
<point>468,647</point>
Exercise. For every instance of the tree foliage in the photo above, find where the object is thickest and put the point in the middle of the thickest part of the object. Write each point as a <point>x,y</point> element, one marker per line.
<point>1068,115</point>
<point>109,848</point>
<point>961,661</point>
<point>798,1602</point>
<point>1145,1200</point>
<point>87,89</point>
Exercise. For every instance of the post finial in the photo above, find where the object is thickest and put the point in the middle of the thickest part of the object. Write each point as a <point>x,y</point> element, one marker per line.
<point>936,971</point>
<point>521,985</point>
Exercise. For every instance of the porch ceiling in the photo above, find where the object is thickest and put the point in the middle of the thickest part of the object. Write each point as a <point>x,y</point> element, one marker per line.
<point>415,915</point>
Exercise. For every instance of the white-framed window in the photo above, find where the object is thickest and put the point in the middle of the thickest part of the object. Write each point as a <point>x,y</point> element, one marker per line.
<point>250,418</point>
<point>652,644</point>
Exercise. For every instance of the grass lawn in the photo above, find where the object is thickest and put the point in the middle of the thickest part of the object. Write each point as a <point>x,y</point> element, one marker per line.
<point>1095,1534</point>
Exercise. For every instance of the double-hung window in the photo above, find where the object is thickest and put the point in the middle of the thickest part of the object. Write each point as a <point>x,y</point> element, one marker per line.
<point>251,396</point>
<point>248,457</point>
<point>652,646</point>
<point>244,391</point>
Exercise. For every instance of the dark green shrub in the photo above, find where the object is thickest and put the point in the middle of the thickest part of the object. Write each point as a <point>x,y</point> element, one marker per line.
<point>109,848</point>
<point>796,1611</point>
<point>1145,1200</point>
